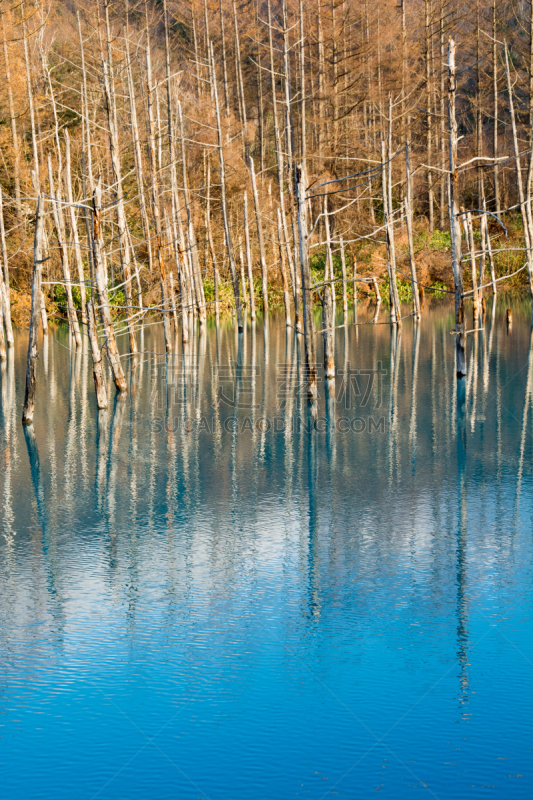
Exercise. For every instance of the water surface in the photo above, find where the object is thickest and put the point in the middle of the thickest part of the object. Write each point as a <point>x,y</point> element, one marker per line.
<point>204,595</point>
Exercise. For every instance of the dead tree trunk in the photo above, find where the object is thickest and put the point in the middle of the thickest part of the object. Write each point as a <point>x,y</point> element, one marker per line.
<point>86,153</point>
<point>488,246</point>
<point>378,298</point>
<point>103,299</point>
<point>307,290</point>
<point>123,241</point>
<point>396,316</point>
<point>57,216</point>
<point>278,143</point>
<point>5,282</point>
<point>31,366</point>
<point>260,238</point>
<point>521,197</point>
<point>328,303</point>
<point>74,227</point>
<point>35,175</point>
<point>244,298</point>
<point>344,284</point>
<point>354,288</point>
<point>13,120</point>
<point>429,116</point>
<point>138,161</point>
<point>455,226</point>
<point>44,318</point>
<point>469,239</point>
<point>170,245</point>
<point>182,278</point>
<point>3,353</point>
<point>328,333</point>
<point>191,234</point>
<point>227,232</point>
<point>98,370</point>
<point>283,269</point>
<point>248,256</point>
<point>409,223</point>
<point>495,109</point>
<point>155,203</point>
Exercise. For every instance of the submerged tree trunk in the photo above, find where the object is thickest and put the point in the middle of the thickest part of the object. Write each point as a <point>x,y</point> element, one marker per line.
<point>227,233</point>
<point>307,290</point>
<point>98,370</point>
<point>248,256</point>
<point>103,299</point>
<point>59,224</point>
<point>455,225</point>
<point>396,316</point>
<point>31,365</point>
<point>283,269</point>
<point>409,223</point>
<point>260,238</point>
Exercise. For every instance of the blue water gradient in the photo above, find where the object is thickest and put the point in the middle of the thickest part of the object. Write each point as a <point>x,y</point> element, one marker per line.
<point>204,597</point>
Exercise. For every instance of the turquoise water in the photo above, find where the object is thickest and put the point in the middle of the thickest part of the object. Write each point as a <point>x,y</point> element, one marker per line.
<point>204,595</point>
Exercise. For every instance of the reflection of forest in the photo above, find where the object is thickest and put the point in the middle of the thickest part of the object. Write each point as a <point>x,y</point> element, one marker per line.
<point>143,499</point>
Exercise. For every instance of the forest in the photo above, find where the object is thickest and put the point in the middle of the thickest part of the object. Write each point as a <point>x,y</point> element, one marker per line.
<point>183,160</point>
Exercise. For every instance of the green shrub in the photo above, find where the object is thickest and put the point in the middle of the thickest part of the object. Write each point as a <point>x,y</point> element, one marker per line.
<point>404,291</point>
<point>438,285</point>
<point>60,296</point>
<point>225,293</point>
<point>440,240</point>
<point>318,264</point>
<point>116,298</point>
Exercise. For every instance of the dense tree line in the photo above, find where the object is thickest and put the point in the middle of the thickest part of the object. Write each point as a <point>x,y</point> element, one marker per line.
<point>188,122</point>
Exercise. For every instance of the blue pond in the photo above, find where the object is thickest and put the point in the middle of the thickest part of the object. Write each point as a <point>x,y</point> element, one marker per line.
<point>204,595</point>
